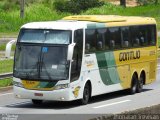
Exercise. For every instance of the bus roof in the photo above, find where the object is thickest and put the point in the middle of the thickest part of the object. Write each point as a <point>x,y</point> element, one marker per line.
<point>90,21</point>
<point>113,20</point>
<point>59,25</point>
<point>96,18</point>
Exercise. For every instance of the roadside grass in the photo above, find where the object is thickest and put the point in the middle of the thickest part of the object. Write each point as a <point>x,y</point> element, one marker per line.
<point>6,82</point>
<point>6,66</point>
<point>10,21</point>
<point>9,34</point>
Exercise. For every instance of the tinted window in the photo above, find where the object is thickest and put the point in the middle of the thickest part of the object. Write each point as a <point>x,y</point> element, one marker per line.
<point>135,36</point>
<point>125,37</point>
<point>152,35</point>
<point>45,36</point>
<point>101,39</point>
<point>77,55</point>
<point>114,37</point>
<point>91,40</point>
<point>143,35</point>
<point>120,37</point>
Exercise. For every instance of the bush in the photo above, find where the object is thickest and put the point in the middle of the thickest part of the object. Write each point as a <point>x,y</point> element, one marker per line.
<point>9,4</point>
<point>76,6</point>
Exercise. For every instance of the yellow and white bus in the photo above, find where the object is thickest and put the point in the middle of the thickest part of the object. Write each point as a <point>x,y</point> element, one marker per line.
<point>83,56</point>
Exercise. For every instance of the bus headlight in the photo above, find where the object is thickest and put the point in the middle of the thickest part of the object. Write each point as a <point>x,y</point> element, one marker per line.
<point>18,84</point>
<point>61,86</point>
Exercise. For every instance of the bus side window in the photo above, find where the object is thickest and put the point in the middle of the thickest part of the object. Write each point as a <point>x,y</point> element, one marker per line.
<point>91,41</point>
<point>114,37</point>
<point>77,55</point>
<point>143,35</point>
<point>101,36</point>
<point>135,36</point>
<point>125,37</point>
<point>152,34</point>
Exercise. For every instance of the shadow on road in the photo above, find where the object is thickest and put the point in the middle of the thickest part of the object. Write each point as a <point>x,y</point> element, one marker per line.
<point>113,95</point>
<point>72,104</point>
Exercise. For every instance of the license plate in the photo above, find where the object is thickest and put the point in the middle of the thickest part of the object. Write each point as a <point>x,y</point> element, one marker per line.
<point>38,94</point>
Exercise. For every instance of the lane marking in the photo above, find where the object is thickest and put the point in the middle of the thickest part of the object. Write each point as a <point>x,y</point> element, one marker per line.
<point>115,103</point>
<point>6,94</point>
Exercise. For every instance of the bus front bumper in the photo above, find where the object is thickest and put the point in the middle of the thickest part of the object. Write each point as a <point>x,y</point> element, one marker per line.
<point>55,95</point>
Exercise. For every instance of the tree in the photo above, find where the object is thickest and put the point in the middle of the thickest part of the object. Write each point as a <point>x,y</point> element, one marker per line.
<point>156,1</point>
<point>123,3</point>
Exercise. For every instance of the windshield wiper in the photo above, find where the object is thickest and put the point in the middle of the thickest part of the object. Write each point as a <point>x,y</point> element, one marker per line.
<point>28,74</point>
<point>41,66</point>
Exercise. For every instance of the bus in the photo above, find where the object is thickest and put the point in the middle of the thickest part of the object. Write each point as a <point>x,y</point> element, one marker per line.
<point>82,56</point>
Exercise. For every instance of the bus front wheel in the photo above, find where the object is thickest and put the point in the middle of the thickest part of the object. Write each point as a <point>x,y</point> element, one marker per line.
<point>86,95</point>
<point>36,102</point>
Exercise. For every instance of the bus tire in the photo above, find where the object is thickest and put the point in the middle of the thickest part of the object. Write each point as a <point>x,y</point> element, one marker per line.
<point>86,94</point>
<point>140,83</point>
<point>36,102</point>
<point>134,83</point>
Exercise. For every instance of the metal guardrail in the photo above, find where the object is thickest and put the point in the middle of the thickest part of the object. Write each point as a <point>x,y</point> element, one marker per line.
<point>6,75</point>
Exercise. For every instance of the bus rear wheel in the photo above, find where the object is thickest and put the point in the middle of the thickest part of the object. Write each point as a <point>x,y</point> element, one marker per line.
<point>134,85</point>
<point>140,84</point>
<point>36,102</point>
<point>86,95</point>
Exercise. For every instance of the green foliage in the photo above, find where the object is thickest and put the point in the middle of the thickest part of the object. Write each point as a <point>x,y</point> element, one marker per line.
<point>76,6</point>
<point>147,2</point>
<point>6,66</point>
<point>9,4</point>
<point>6,82</point>
<point>10,21</point>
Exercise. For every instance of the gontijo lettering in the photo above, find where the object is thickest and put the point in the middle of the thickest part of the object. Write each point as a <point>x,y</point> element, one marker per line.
<point>124,56</point>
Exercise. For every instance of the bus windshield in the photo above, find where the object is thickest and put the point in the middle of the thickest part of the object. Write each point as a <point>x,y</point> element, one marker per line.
<point>41,62</point>
<point>45,36</point>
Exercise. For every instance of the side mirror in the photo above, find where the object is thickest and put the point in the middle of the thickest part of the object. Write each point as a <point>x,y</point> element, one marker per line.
<point>70,51</point>
<point>8,48</point>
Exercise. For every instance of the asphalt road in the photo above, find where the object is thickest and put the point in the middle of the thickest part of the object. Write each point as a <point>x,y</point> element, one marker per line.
<point>111,103</point>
